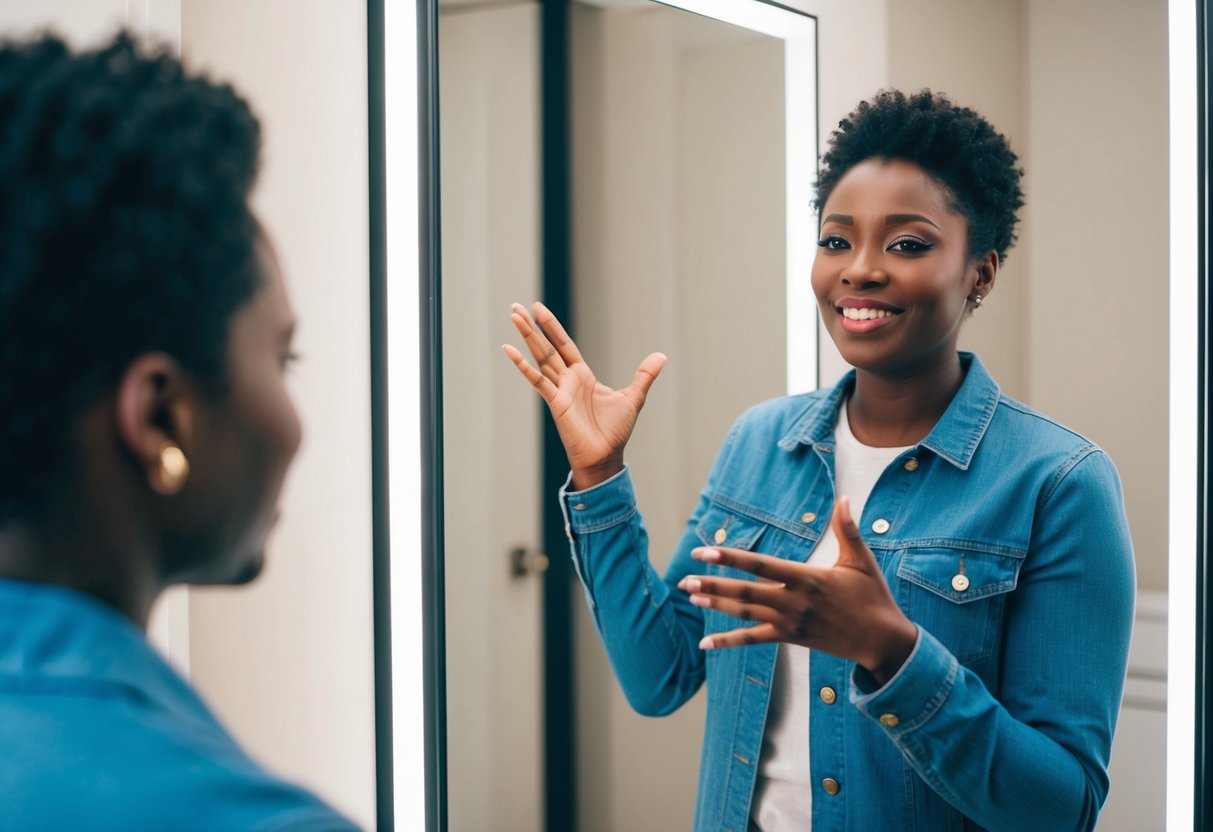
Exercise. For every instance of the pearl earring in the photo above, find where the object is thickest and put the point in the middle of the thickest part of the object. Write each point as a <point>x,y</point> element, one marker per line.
<point>174,468</point>
<point>977,302</point>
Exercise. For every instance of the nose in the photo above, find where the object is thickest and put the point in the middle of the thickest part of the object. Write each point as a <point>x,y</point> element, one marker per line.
<point>861,277</point>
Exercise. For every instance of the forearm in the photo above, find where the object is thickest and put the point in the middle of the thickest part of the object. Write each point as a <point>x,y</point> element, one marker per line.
<point>1003,773</point>
<point>651,633</point>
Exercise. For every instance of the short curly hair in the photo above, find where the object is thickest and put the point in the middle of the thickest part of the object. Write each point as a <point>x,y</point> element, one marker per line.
<point>125,229</point>
<point>953,144</point>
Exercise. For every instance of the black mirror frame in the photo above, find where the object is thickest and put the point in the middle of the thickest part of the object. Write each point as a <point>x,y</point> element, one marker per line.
<point>430,358</point>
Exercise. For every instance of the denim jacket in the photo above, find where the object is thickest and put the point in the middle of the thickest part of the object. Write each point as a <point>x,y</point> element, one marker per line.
<point>1002,536</point>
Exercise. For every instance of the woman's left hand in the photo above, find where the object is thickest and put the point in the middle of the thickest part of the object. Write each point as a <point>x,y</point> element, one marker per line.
<point>846,610</point>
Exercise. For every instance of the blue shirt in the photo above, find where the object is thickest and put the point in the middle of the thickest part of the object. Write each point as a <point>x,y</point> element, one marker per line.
<point>97,732</point>
<point>1001,718</point>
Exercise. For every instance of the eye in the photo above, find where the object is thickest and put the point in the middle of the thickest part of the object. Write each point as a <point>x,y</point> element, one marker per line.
<point>832,242</point>
<point>910,245</point>
<point>289,359</point>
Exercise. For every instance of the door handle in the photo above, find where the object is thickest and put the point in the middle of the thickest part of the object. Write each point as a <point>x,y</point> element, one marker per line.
<point>524,561</point>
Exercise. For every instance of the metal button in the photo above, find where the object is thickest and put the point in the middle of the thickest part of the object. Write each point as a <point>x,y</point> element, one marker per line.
<point>808,517</point>
<point>828,695</point>
<point>880,526</point>
<point>721,536</point>
<point>960,583</point>
<point>911,464</point>
<point>579,507</point>
<point>830,785</point>
<point>889,720</point>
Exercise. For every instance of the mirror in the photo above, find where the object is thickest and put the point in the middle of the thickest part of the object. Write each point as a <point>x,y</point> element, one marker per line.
<point>672,238</point>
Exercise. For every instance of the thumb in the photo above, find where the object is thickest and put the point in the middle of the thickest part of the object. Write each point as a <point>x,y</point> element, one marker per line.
<point>646,374</point>
<point>852,551</point>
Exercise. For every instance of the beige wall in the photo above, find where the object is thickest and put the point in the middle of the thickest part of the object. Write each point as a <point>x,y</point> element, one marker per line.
<point>287,662</point>
<point>1098,266</point>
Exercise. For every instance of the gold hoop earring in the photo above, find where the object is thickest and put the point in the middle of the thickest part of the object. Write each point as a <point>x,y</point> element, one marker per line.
<point>174,468</point>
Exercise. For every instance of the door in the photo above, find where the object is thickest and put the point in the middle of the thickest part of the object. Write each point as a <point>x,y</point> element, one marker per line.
<point>489,117</point>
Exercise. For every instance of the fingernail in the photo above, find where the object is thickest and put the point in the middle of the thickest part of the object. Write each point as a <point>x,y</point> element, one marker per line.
<point>706,643</point>
<point>700,600</point>
<point>689,584</point>
<point>708,555</point>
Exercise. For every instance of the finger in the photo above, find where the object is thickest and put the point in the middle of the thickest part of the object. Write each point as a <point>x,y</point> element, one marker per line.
<point>852,551</point>
<point>546,357</point>
<point>645,375</point>
<point>555,332</point>
<point>774,595</point>
<point>741,637</point>
<point>538,380</point>
<point>764,566</point>
<point>740,609</point>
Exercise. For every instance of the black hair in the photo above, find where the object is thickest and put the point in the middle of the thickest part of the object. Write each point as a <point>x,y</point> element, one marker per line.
<point>953,144</point>
<point>124,229</point>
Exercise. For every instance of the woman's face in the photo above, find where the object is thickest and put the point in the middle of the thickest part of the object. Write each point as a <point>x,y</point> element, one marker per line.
<point>893,275</point>
<point>247,438</point>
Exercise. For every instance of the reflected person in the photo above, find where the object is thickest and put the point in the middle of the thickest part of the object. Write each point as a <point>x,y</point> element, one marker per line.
<point>147,433</point>
<point>948,649</point>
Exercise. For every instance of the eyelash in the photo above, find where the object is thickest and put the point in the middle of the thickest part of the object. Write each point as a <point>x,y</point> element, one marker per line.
<point>290,359</point>
<point>918,246</point>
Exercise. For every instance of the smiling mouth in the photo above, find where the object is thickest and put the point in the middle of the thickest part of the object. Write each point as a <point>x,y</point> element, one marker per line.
<point>866,314</point>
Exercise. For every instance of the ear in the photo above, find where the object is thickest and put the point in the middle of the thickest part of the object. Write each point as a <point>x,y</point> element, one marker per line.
<point>987,272</point>
<point>155,410</point>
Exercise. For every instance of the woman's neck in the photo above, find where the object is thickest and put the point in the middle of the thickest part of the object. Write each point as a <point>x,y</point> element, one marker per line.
<point>88,564</point>
<point>897,410</point>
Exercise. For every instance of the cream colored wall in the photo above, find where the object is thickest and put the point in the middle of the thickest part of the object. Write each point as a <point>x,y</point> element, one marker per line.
<point>287,662</point>
<point>1098,268</point>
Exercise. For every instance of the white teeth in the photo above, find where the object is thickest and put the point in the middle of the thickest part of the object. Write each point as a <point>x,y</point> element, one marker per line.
<point>865,314</point>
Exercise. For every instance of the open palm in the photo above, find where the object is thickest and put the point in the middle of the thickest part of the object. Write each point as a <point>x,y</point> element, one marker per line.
<point>594,421</point>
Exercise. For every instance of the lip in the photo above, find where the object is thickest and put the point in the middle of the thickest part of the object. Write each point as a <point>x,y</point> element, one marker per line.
<point>870,325</point>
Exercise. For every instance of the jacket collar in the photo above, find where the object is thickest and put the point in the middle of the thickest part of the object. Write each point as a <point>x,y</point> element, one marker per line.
<point>53,638</point>
<point>955,436</point>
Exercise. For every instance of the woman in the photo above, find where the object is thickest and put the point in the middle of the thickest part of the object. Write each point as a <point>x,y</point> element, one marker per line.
<point>147,432</point>
<point>948,650</point>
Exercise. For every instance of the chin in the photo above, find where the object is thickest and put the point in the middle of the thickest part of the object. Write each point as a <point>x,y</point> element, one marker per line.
<point>247,570</point>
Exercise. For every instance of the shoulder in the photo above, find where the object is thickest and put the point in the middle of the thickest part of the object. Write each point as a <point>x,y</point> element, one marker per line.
<point>781,415</point>
<point>1022,433</point>
<point>75,761</point>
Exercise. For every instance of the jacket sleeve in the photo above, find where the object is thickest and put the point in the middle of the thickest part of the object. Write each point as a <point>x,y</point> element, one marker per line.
<point>649,627</point>
<point>1036,756</point>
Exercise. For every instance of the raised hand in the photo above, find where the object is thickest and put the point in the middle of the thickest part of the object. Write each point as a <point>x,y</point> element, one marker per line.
<point>846,610</point>
<point>593,420</point>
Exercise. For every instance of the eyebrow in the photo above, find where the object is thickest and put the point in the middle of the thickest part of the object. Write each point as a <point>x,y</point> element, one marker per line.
<point>891,219</point>
<point>898,219</point>
<point>841,219</point>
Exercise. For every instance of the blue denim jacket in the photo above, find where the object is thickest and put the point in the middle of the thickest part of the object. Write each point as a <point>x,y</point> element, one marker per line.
<point>1001,718</point>
<point>98,733</point>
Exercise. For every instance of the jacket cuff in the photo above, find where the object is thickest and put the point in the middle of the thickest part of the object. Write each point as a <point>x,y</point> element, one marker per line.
<point>914,693</point>
<point>606,504</point>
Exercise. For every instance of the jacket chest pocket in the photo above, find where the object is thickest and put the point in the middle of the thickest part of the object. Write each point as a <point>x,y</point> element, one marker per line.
<point>958,596</point>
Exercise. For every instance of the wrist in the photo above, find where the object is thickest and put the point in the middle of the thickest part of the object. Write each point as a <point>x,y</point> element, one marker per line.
<point>892,654</point>
<point>591,475</point>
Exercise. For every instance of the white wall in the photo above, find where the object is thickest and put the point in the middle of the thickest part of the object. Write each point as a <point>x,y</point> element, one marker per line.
<point>287,662</point>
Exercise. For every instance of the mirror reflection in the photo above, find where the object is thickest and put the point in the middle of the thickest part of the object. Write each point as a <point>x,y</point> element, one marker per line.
<point>678,226</point>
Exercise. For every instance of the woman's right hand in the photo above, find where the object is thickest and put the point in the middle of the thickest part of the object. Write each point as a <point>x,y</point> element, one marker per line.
<point>594,421</point>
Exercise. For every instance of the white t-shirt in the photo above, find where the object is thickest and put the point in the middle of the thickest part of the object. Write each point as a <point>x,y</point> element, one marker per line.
<point>783,793</point>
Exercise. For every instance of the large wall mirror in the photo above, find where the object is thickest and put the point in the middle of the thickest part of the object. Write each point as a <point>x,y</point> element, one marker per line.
<point>687,134</point>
